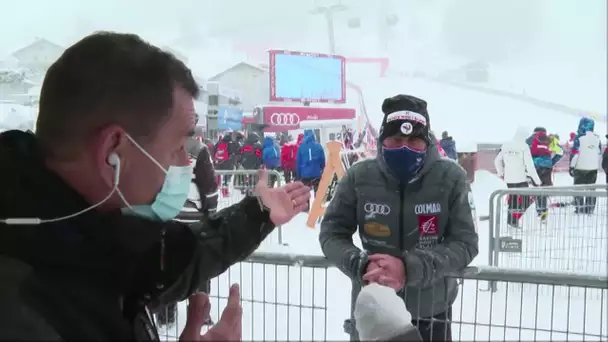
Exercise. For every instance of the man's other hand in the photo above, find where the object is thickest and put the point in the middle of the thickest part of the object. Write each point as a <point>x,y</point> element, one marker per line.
<point>228,328</point>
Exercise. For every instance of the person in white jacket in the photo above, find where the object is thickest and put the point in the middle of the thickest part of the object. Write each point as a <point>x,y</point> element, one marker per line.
<point>515,166</point>
<point>585,162</point>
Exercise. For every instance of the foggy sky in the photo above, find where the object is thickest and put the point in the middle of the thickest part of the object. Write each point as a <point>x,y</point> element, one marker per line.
<point>559,23</point>
<point>430,33</point>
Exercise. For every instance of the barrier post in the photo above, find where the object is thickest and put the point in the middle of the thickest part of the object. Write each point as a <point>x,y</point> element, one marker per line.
<point>332,166</point>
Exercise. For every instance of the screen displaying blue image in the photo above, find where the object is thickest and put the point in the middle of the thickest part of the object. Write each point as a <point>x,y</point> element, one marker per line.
<point>308,77</point>
<point>229,118</point>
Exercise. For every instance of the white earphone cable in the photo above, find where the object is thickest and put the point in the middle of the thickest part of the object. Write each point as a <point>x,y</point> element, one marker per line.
<point>37,220</point>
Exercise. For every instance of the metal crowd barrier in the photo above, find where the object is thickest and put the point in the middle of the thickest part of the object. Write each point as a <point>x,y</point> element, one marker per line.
<point>236,183</point>
<point>566,242</point>
<point>300,297</point>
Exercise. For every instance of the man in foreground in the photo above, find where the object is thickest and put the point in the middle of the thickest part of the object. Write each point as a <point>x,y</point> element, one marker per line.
<point>87,244</point>
<point>413,211</point>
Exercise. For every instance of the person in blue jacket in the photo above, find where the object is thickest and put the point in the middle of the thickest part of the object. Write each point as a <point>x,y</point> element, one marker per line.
<point>310,161</point>
<point>448,145</point>
<point>271,156</point>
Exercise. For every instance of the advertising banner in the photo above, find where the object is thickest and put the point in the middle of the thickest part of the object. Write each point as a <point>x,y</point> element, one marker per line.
<point>285,118</point>
<point>298,76</point>
<point>229,118</point>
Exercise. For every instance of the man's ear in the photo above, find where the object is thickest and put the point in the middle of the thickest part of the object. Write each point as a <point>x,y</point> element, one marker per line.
<point>110,140</point>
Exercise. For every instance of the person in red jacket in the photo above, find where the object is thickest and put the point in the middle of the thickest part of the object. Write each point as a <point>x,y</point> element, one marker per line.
<point>289,151</point>
<point>543,162</point>
<point>440,149</point>
<point>571,141</point>
<point>300,139</point>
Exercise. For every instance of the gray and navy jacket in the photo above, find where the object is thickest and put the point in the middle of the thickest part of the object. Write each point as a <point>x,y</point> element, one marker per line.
<point>428,223</point>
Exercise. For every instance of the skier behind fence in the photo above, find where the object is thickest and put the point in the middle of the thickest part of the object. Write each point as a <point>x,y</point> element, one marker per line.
<point>414,213</point>
<point>310,161</point>
<point>271,156</point>
<point>289,151</point>
<point>251,159</point>
<point>543,161</point>
<point>225,158</point>
<point>585,163</point>
<point>515,166</point>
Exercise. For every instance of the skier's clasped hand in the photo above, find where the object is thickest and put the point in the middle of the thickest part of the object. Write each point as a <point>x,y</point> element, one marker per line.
<point>385,270</point>
<point>228,328</point>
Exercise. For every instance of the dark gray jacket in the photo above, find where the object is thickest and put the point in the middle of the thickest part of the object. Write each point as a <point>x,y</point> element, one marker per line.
<point>92,277</point>
<point>428,223</point>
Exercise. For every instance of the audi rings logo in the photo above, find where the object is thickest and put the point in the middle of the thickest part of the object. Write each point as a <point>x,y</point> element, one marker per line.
<point>285,119</point>
<point>376,209</point>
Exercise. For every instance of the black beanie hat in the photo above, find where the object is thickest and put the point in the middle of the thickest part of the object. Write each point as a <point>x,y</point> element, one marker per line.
<point>407,115</point>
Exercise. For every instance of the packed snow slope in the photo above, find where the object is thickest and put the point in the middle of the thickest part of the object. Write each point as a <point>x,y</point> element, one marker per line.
<point>469,116</point>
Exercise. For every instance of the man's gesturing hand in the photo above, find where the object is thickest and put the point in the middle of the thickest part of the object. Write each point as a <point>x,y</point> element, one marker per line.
<point>228,328</point>
<point>285,202</point>
<point>385,270</point>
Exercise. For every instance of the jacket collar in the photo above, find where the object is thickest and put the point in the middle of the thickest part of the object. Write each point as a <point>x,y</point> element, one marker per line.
<point>105,245</point>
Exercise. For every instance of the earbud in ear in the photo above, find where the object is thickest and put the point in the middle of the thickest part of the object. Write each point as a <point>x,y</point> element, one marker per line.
<point>113,159</point>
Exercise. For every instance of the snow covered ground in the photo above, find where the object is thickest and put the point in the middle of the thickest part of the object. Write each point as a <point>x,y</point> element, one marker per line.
<point>304,303</point>
<point>469,116</point>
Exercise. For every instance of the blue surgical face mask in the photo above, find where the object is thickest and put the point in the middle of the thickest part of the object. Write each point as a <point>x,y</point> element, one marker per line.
<point>170,199</point>
<point>403,162</point>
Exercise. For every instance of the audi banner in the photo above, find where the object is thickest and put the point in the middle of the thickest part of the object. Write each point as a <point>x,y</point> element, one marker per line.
<point>282,118</point>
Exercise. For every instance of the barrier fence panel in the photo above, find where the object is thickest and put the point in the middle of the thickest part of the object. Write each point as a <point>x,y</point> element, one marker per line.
<point>573,238</point>
<point>236,184</point>
<point>284,298</point>
<point>297,297</point>
<point>526,306</point>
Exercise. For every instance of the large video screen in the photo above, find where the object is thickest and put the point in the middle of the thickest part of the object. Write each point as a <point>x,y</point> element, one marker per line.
<point>313,77</point>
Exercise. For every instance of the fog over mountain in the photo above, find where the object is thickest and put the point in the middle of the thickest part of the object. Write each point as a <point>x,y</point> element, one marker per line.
<point>557,43</point>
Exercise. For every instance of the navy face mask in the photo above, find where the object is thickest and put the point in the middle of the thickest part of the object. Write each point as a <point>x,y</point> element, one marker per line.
<point>403,162</point>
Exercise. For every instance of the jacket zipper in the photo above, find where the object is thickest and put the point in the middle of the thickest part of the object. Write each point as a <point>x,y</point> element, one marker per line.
<point>401,221</point>
<point>401,227</point>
